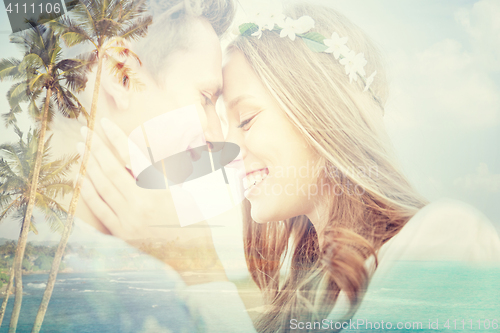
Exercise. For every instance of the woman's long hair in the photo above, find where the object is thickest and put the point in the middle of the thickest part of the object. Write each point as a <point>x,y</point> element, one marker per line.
<point>371,199</point>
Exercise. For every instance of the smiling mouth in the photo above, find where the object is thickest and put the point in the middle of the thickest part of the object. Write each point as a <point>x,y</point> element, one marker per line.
<point>254,178</point>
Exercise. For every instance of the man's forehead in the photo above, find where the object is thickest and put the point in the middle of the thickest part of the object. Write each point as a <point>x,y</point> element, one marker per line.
<point>198,62</point>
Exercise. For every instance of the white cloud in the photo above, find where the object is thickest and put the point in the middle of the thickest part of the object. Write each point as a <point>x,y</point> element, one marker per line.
<point>482,180</point>
<point>450,83</point>
<point>482,25</point>
<point>443,86</point>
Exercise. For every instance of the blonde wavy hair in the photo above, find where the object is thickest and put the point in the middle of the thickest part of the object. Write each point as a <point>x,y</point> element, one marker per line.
<point>344,125</point>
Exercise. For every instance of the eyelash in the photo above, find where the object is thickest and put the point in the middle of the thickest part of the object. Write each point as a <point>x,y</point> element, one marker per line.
<point>208,101</point>
<point>244,122</point>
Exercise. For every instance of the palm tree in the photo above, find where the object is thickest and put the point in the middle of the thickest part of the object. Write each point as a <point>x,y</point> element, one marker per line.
<point>106,25</point>
<point>42,68</point>
<point>16,172</point>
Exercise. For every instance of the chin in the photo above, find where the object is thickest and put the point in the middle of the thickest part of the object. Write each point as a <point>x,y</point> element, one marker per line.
<point>260,215</point>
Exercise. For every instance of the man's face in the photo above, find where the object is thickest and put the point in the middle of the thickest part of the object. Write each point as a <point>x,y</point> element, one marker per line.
<point>192,76</point>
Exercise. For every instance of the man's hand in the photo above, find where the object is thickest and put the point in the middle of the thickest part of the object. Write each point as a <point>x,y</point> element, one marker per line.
<point>145,218</point>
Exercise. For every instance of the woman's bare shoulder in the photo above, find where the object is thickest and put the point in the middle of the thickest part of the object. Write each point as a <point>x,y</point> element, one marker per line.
<point>446,229</point>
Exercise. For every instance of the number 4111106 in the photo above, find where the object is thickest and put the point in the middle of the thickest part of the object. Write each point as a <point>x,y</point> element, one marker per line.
<point>486,323</point>
<point>34,9</point>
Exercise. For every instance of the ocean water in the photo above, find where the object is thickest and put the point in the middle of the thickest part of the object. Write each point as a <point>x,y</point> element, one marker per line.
<point>432,297</point>
<point>441,296</point>
<point>104,302</point>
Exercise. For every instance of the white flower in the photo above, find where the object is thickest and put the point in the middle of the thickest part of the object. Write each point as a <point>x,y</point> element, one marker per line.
<point>292,27</point>
<point>258,33</point>
<point>369,81</point>
<point>347,61</point>
<point>272,19</point>
<point>304,24</point>
<point>267,19</point>
<point>336,45</point>
<point>360,63</point>
<point>236,30</point>
<point>354,64</point>
<point>288,29</point>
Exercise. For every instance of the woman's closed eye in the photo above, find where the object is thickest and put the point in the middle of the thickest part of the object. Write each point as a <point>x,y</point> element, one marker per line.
<point>245,122</point>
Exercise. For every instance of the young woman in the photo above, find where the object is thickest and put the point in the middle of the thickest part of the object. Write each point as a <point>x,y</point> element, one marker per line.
<point>292,105</point>
<point>323,188</point>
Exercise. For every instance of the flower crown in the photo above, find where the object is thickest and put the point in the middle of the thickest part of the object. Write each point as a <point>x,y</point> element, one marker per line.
<point>353,62</point>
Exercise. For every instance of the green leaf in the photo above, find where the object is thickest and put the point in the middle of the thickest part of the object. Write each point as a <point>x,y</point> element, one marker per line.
<point>314,41</point>
<point>315,46</point>
<point>314,36</point>
<point>246,29</point>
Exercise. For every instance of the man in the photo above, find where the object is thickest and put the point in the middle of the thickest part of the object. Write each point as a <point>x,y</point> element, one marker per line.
<point>181,67</point>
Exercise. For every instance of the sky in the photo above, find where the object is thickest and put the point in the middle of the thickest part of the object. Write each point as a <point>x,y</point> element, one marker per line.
<point>443,112</point>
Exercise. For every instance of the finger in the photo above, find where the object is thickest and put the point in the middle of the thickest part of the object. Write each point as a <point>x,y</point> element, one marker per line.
<point>113,170</point>
<point>117,138</point>
<point>104,187</point>
<point>98,207</point>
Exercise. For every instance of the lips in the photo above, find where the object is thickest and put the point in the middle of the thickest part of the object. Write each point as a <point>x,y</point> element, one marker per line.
<point>253,178</point>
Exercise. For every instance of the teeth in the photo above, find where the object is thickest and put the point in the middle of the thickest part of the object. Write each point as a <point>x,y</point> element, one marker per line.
<point>258,178</point>
<point>253,179</point>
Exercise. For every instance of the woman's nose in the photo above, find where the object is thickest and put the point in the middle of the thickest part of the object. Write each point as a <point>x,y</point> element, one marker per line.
<point>234,137</point>
<point>213,129</point>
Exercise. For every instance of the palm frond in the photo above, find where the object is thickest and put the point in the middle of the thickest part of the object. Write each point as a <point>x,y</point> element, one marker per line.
<point>44,203</point>
<point>39,82</point>
<point>59,189</point>
<point>18,93</point>
<point>10,118</point>
<point>55,51</point>
<point>12,207</point>
<point>65,101</point>
<point>120,70</point>
<point>31,61</point>
<point>14,154</point>
<point>72,38</point>
<point>107,27</point>
<point>137,30</point>
<point>57,170</point>
<point>9,69</point>
<point>132,10</point>
<point>122,52</point>
<point>5,200</point>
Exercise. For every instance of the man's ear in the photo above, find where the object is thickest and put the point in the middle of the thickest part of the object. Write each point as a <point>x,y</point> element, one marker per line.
<point>115,77</point>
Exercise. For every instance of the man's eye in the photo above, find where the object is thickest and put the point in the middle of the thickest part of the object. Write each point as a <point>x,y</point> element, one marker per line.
<point>208,101</point>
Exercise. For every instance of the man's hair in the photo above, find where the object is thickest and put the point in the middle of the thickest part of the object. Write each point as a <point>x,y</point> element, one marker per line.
<point>172,25</point>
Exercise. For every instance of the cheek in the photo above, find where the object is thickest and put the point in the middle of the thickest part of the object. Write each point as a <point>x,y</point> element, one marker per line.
<point>260,142</point>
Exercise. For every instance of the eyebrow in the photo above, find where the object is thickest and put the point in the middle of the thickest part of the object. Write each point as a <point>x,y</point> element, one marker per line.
<point>218,92</point>
<point>212,85</point>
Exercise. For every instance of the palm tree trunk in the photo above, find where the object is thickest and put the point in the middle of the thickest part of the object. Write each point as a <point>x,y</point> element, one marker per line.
<point>72,206</point>
<point>21,244</point>
<point>9,288</point>
<point>7,294</point>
